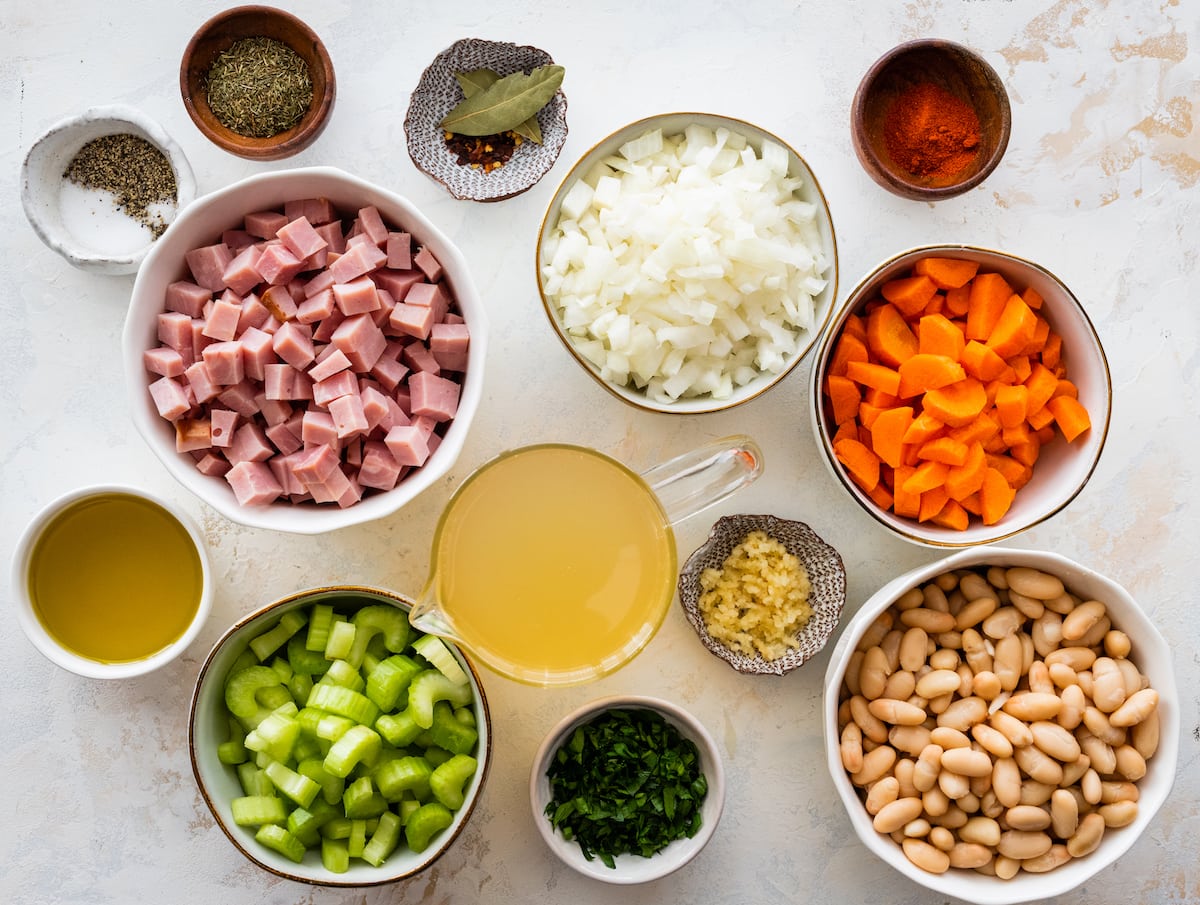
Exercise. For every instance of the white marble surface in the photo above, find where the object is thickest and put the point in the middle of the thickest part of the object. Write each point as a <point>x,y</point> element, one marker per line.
<point>1099,185</point>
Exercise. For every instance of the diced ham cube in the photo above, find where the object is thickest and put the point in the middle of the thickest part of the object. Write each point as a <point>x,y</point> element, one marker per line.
<point>395,416</point>
<point>280,382</point>
<point>163,360</point>
<point>316,464</point>
<point>386,305</point>
<point>327,327</point>
<point>294,344</point>
<point>407,445</point>
<point>264,224</point>
<point>200,382</point>
<point>356,297</point>
<point>332,363</point>
<point>374,405</point>
<point>318,430</point>
<point>224,423</point>
<point>258,351</point>
<point>320,283</point>
<point>281,467</point>
<point>175,330</point>
<point>348,416</point>
<point>317,308</point>
<point>418,357</point>
<point>169,398</point>
<point>379,468</point>
<point>341,383</point>
<point>301,239</point>
<point>426,425</point>
<point>428,265</point>
<point>212,465</point>
<point>224,363</point>
<point>187,298</point>
<point>332,234</point>
<point>399,251</point>
<point>283,440</point>
<point>433,396</point>
<point>449,344</point>
<point>278,300</point>
<point>361,341</point>
<point>278,266</point>
<point>315,210</point>
<point>253,484</point>
<point>237,239</point>
<point>241,274</point>
<point>273,411</point>
<point>430,295</point>
<point>397,282</point>
<point>222,321</point>
<point>242,398</point>
<point>254,314</point>
<point>192,434</point>
<point>208,264</point>
<point>371,223</point>
<point>317,260</point>
<point>412,320</point>
<point>250,444</point>
<point>361,259</point>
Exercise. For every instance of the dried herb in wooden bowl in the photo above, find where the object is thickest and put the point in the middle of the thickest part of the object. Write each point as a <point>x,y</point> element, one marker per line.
<point>259,87</point>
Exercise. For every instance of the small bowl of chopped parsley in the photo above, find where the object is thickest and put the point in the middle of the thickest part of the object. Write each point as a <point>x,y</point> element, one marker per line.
<point>627,789</point>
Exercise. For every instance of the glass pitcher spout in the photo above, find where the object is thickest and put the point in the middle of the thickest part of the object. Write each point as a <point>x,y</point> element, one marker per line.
<point>428,616</point>
<point>703,477</point>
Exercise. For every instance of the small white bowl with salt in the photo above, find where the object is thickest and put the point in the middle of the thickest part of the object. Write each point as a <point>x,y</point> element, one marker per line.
<point>100,187</point>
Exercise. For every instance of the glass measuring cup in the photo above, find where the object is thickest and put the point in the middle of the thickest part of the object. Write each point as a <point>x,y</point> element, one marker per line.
<point>556,564</point>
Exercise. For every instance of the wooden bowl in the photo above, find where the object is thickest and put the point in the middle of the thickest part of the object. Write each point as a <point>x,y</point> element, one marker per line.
<point>949,66</point>
<point>217,35</point>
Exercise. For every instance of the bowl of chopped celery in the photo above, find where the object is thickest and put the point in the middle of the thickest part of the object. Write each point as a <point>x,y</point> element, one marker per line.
<point>688,262</point>
<point>334,744</point>
<point>638,822</point>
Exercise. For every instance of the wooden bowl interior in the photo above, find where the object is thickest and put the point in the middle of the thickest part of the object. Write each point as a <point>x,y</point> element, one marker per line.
<point>218,35</point>
<point>953,69</point>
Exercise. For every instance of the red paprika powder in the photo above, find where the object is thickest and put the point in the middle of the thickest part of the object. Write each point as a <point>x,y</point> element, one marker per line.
<point>930,132</point>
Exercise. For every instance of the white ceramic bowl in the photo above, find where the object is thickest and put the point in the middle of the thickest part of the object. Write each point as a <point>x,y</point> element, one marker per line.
<point>42,179</point>
<point>50,647</point>
<point>197,226</point>
<point>218,782</point>
<point>1152,656</point>
<point>810,191</point>
<point>629,868</point>
<point>1062,469</point>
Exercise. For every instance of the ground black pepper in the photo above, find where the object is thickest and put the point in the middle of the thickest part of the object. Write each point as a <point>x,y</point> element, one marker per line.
<point>486,152</point>
<point>130,167</point>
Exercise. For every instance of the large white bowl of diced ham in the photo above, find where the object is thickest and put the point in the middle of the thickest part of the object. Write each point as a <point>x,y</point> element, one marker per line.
<point>304,350</point>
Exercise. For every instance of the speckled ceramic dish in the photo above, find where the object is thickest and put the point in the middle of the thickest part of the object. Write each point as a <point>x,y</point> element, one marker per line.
<point>826,574</point>
<point>438,93</point>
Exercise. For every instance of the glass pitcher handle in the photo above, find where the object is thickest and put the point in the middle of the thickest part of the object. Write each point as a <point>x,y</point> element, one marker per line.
<point>692,482</point>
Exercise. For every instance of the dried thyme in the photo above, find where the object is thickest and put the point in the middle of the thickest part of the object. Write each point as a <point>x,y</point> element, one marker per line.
<point>130,167</point>
<point>259,87</point>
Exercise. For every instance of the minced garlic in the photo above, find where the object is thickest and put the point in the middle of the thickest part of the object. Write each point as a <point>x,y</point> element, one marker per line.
<point>757,602</point>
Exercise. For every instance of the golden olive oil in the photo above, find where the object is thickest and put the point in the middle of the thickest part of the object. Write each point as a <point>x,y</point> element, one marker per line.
<point>554,561</point>
<point>115,578</point>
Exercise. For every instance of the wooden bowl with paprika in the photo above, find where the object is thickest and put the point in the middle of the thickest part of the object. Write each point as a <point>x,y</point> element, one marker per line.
<point>930,120</point>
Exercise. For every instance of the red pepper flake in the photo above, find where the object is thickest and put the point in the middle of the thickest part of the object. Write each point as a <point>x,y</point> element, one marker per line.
<point>485,152</point>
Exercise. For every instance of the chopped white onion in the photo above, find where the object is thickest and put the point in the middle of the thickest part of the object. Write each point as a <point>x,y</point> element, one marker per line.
<point>686,265</point>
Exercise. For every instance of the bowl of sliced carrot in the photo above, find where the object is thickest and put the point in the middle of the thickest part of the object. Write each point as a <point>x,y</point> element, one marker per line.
<point>962,395</point>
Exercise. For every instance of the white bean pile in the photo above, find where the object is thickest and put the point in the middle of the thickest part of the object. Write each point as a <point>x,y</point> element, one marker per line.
<point>993,721</point>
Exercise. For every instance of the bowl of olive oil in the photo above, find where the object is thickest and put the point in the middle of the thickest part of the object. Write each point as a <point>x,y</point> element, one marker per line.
<point>111,582</point>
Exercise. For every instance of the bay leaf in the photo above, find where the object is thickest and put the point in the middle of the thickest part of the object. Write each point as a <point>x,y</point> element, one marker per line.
<point>477,80</point>
<point>505,104</point>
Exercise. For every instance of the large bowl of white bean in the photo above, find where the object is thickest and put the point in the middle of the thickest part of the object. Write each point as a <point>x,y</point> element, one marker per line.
<point>1001,724</point>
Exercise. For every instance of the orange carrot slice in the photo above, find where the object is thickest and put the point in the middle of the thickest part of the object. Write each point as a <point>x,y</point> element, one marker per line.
<point>956,404</point>
<point>981,362</point>
<point>1014,329</point>
<point>938,335</point>
<point>952,516</point>
<point>927,371</point>
<point>1012,405</point>
<point>887,434</point>
<point>909,295</point>
<point>889,336</point>
<point>905,504</point>
<point>958,301</point>
<point>966,479</point>
<point>995,497</point>
<point>989,294</point>
<point>844,397</point>
<point>944,449</point>
<point>932,502</point>
<point>848,348</point>
<point>860,462</point>
<point>874,375</point>
<point>947,273</point>
<point>925,477</point>
<point>1071,417</point>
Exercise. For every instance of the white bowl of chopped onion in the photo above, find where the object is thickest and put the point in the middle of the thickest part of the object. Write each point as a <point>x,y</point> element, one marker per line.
<point>688,262</point>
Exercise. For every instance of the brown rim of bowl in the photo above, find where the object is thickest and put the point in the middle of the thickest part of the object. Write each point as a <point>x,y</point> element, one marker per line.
<point>914,189</point>
<point>716,404</point>
<point>216,35</point>
<point>824,440</point>
<point>332,882</point>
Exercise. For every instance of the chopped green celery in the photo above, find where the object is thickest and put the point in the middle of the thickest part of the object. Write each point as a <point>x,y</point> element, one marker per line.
<point>272,639</point>
<point>247,778</point>
<point>405,774</point>
<point>435,651</point>
<point>288,708</point>
<point>305,823</point>
<point>448,780</point>
<point>384,840</point>
<point>436,755</point>
<point>233,752</point>
<point>335,856</point>
<point>320,619</point>
<point>357,744</point>
<point>406,808</point>
<point>244,660</point>
<point>424,822</point>
<point>447,732</point>
<point>343,674</point>
<point>358,838</point>
<point>243,687</point>
<point>341,639</point>
<point>332,727</point>
<point>347,703</point>
<point>261,759</point>
<point>370,661</point>
<point>298,788</point>
<point>255,810</point>
<point>309,718</point>
<point>398,729</point>
<point>431,686</point>
<point>337,828</point>
<point>299,686</point>
<point>332,787</point>
<point>304,661</point>
<point>362,800</point>
<point>275,736</point>
<point>306,747</point>
<point>379,619</point>
<point>282,667</point>
<point>275,696</point>
<point>465,715</point>
<point>391,677</point>
<point>280,840</point>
